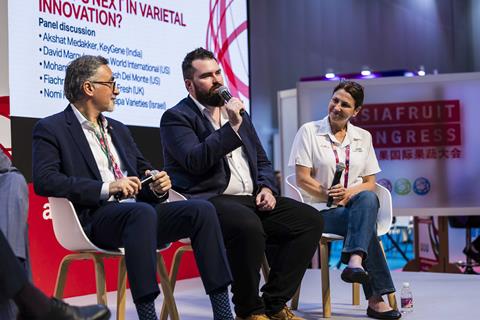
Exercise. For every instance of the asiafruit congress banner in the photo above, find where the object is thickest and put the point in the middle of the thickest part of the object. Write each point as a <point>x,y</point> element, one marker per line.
<point>424,131</point>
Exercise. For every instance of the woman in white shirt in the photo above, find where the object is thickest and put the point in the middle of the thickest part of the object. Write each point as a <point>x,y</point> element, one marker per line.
<point>318,148</point>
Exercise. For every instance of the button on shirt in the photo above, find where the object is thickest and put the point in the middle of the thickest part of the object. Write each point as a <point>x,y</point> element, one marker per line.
<point>313,148</point>
<point>101,160</point>
<point>240,178</point>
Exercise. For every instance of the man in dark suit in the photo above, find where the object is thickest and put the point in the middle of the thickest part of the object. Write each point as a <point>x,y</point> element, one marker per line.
<point>213,152</point>
<point>31,302</point>
<point>81,155</point>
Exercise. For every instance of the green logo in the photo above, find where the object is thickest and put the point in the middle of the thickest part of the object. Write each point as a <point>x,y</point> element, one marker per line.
<point>402,186</point>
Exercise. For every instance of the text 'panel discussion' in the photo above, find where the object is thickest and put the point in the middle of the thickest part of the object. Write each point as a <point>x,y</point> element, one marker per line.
<point>239,159</point>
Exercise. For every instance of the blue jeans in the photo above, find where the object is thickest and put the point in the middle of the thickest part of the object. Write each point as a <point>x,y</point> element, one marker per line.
<point>357,224</point>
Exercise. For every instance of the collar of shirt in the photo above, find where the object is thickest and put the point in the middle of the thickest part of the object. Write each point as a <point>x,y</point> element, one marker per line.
<point>84,122</point>
<point>324,129</point>
<point>204,110</point>
<point>199,105</point>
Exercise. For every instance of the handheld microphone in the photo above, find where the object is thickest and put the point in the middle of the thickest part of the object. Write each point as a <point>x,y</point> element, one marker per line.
<point>144,182</point>
<point>226,95</point>
<point>336,180</point>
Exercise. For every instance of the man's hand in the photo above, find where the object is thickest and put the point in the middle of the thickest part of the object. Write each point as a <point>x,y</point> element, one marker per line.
<point>265,200</point>
<point>161,181</point>
<point>127,186</point>
<point>233,108</point>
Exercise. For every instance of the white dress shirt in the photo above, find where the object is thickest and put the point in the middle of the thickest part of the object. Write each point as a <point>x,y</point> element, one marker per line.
<point>101,160</point>
<point>240,178</point>
<point>313,148</point>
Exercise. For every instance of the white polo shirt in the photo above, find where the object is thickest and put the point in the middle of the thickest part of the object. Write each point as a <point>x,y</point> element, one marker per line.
<point>313,148</point>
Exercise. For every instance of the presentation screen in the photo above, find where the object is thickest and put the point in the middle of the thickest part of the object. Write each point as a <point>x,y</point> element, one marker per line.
<point>144,42</point>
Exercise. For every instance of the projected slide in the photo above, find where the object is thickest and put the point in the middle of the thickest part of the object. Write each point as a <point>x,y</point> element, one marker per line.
<point>144,41</point>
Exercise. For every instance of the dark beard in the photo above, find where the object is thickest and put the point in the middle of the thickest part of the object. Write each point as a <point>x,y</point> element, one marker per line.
<point>210,98</point>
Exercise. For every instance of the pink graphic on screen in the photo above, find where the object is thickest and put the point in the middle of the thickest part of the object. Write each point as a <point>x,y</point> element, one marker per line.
<point>5,135</point>
<point>222,42</point>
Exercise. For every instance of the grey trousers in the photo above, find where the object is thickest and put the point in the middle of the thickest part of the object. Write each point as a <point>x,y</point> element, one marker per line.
<point>13,224</point>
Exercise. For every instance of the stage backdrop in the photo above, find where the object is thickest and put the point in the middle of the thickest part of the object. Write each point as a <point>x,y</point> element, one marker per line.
<point>145,42</point>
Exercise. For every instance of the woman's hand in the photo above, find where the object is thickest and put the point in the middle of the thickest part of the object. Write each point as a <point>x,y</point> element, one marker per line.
<point>339,194</point>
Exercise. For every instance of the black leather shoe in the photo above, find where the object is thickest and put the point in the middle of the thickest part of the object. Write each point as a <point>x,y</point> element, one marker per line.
<point>468,251</point>
<point>392,314</point>
<point>62,311</point>
<point>357,275</point>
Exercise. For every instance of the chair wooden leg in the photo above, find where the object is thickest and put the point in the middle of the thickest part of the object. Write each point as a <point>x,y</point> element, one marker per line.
<point>176,264</point>
<point>121,286</point>
<point>167,289</point>
<point>62,275</point>
<point>326,304</point>
<point>100,279</point>
<point>355,294</point>
<point>177,257</point>
<point>392,300</point>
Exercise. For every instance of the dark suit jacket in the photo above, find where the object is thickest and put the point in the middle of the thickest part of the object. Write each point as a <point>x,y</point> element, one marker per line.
<point>64,166</point>
<point>195,153</point>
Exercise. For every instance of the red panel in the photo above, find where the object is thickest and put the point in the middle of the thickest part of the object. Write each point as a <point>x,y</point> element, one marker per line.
<point>5,106</point>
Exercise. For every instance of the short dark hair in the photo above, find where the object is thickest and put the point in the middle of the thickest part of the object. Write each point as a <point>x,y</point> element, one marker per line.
<point>197,54</point>
<point>79,71</point>
<point>354,89</point>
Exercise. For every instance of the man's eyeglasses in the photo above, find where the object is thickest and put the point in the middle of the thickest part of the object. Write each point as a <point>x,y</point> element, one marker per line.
<point>111,84</point>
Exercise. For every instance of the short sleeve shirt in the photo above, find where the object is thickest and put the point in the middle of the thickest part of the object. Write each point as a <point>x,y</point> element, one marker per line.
<point>313,148</point>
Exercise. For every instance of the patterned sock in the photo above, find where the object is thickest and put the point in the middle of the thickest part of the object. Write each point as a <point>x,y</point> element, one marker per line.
<point>221,305</point>
<point>146,310</point>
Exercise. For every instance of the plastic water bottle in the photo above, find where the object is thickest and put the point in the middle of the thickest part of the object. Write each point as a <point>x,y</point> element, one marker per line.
<point>406,299</point>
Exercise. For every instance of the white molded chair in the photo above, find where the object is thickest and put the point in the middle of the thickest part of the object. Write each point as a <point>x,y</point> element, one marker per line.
<point>70,235</point>
<point>384,222</point>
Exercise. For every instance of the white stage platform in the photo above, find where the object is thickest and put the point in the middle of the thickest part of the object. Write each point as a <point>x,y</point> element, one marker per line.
<point>436,296</point>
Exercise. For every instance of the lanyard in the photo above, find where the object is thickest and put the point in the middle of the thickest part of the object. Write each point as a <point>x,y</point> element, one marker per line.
<point>103,141</point>
<point>347,160</point>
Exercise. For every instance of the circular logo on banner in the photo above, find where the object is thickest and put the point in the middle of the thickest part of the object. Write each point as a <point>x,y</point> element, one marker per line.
<point>421,186</point>
<point>385,183</point>
<point>403,186</point>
